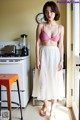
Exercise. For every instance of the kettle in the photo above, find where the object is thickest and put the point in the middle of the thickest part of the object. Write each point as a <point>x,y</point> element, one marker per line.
<point>25,51</point>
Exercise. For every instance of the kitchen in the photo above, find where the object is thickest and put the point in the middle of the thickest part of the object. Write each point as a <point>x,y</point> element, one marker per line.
<point>18,17</point>
<point>15,59</point>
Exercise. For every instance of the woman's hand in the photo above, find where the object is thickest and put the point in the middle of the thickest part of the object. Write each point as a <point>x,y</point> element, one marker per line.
<point>38,66</point>
<point>60,66</point>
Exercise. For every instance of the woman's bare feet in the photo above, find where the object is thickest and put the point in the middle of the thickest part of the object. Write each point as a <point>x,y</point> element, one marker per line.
<point>52,116</point>
<point>43,110</point>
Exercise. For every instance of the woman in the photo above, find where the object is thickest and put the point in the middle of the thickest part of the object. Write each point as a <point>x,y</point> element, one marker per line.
<point>49,57</point>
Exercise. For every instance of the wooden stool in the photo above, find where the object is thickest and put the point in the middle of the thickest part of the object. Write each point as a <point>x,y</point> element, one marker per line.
<point>7,80</point>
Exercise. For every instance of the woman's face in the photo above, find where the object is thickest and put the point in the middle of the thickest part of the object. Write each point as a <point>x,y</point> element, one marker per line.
<point>49,14</point>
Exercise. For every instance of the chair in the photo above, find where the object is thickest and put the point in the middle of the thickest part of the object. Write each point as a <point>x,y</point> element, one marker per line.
<point>7,80</point>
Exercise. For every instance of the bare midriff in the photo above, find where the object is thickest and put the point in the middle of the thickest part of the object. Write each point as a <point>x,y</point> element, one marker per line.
<point>48,43</point>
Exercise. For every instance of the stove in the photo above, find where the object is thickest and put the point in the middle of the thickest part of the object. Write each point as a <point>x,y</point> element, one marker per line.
<point>16,63</point>
<point>11,55</point>
<point>13,49</point>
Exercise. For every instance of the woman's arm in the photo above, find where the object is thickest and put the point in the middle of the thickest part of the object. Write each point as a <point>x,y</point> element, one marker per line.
<point>37,47</point>
<point>61,48</point>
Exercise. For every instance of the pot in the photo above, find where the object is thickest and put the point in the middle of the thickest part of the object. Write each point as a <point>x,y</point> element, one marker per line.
<point>9,49</point>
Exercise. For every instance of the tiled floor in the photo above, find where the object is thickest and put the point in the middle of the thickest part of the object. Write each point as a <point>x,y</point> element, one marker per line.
<point>32,113</point>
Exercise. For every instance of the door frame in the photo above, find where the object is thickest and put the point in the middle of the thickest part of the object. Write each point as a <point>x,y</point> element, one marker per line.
<point>69,57</point>
<point>75,60</point>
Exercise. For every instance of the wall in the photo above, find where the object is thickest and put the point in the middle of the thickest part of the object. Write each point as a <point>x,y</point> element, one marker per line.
<point>18,16</point>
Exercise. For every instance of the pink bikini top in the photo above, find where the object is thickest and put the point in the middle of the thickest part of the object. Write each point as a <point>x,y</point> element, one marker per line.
<point>45,37</point>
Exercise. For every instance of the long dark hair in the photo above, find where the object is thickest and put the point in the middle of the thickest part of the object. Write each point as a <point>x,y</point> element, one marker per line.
<point>54,9</point>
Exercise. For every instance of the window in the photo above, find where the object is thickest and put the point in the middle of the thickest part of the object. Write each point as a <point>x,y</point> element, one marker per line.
<point>76,36</point>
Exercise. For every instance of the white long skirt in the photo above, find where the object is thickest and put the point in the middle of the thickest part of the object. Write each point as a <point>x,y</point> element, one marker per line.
<point>48,81</point>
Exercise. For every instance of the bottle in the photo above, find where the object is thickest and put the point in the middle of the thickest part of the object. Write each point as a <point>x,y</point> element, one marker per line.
<point>24,40</point>
<point>24,48</point>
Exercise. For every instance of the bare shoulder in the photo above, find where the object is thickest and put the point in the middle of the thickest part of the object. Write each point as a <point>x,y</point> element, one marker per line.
<point>40,25</point>
<point>61,27</point>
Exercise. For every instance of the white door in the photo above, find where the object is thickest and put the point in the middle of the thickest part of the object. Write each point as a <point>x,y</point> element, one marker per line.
<point>76,50</point>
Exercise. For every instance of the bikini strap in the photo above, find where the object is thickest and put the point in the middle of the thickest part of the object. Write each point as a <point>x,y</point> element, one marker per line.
<point>43,27</point>
<point>58,29</point>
